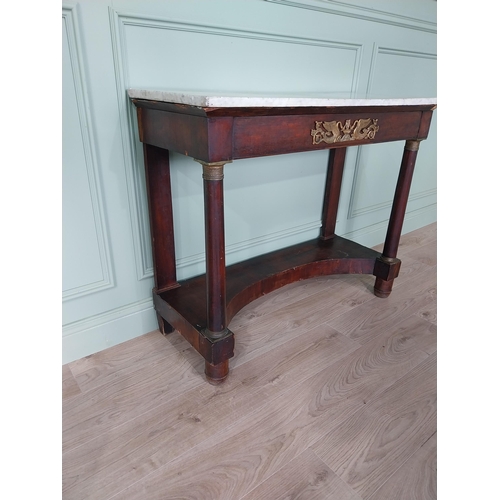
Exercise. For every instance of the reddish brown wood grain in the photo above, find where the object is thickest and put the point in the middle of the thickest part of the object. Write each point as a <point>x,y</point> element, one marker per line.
<point>184,307</point>
<point>215,256</point>
<point>383,286</point>
<point>272,135</point>
<point>200,308</point>
<point>219,134</point>
<point>161,221</point>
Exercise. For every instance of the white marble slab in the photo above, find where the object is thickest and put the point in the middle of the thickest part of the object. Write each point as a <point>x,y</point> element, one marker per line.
<point>236,100</point>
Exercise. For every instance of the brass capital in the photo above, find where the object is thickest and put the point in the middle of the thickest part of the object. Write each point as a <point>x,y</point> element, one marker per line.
<point>216,335</point>
<point>412,145</point>
<point>388,260</point>
<point>213,171</point>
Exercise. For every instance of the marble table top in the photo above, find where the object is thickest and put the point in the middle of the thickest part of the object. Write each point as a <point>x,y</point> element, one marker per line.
<point>252,99</point>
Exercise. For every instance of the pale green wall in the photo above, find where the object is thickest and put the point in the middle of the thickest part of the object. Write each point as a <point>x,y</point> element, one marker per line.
<point>385,46</point>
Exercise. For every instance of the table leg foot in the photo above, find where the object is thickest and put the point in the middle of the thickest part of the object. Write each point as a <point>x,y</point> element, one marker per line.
<point>164,327</point>
<point>216,374</point>
<point>382,288</point>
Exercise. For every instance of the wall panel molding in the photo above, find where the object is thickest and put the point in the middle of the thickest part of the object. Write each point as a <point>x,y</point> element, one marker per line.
<point>374,234</point>
<point>391,51</point>
<point>361,12</point>
<point>101,331</point>
<point>133,151</point>
<point>406,53</point>
<point>190,265</point>
<point>106,317</point>
<point>70,22</point>
<point>352,211</point>
<point>110,46</point>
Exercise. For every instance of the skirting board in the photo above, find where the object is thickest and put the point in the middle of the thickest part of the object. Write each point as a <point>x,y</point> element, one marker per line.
<point>99,332</point>
<point>374,235</point>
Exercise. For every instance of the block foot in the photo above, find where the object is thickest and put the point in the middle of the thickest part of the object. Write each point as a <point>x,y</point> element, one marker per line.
<point>164,327</point>
<point>216,374</point>
<point>382,288</point>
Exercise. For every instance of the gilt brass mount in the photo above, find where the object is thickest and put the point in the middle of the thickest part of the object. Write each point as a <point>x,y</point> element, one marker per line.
<point>412,145</point>
<point>330,132</point>
<point>213,171</point>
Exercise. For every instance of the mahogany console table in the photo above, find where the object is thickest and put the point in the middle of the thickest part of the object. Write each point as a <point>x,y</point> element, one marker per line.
<point>217,130</point>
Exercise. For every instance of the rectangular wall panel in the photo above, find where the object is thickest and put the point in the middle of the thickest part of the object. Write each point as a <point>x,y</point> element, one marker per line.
<point>398,73</point>
<point>219,59</point>
<point>272,46</point>
<point>85,253</point>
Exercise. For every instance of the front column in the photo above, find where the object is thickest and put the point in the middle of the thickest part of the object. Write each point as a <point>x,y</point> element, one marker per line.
<point>387,266</point>
<point>215,255</point>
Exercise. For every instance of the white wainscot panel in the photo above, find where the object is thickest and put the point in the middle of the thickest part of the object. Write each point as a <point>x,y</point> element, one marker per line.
<point>417,14</point>
<point>170,55</point>
<point>86,266</point>
<point>375,176</point>
<point>269,203</point>
<point>399,73</point>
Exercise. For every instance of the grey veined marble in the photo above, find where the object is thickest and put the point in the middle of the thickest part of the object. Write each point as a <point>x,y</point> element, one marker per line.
<point>230,100</point>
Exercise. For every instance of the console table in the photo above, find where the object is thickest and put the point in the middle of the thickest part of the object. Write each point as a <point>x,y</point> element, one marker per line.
<point>215,130</point>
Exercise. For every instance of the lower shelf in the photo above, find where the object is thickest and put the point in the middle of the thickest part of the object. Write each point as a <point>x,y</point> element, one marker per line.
<point>184,307</point>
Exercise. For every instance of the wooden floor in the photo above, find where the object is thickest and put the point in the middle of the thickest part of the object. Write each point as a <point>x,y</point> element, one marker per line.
<point>331,395</point>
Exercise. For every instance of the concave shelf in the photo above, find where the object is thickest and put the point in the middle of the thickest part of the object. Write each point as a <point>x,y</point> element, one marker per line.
<point>185,306</point>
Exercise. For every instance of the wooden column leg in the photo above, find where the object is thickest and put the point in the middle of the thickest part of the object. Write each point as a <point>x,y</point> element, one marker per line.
<point>156,162</point>
<point>332,192</point>
<point>215,252</point>
<point>387,266</point>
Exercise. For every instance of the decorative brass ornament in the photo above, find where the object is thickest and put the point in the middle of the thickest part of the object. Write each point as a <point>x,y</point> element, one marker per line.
<point>330,132</point>
<point>412,145</point>
<point>213,171</point>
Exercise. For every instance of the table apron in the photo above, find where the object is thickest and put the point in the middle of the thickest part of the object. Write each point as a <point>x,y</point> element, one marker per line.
<point>224,138</point>
<point>273,135</point>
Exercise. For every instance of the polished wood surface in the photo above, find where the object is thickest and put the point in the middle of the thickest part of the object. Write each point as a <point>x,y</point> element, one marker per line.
<point>200,308</point>
<point>219,134</point>
<point>161,220</point>
<point>332,394</point>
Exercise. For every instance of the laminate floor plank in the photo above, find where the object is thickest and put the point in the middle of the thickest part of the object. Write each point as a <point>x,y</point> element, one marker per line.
<point>367,320</point>
<point>124,359</point>
<point>236,460</point>
<point>410,269</point>
<point>416,479</point>
<point>280,370</point>
<point>272,330</point>
<point>175,426</point>
<point>99,410</point>
<point>426,254</point>
<point>70,386</point>
<point>414,239</point>
<point>331,395</point>
<point>423,331</point>
<point>306,477</point>
<point>370,446</point>
<point>428,312</point>
<point>416,389</point>
<point>366,449</point>
<point>289,294</point>
<point>124,454</point>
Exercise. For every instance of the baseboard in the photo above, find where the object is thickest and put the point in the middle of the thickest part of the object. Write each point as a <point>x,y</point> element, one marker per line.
<point>375,234</point>
<point>99,332</point>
